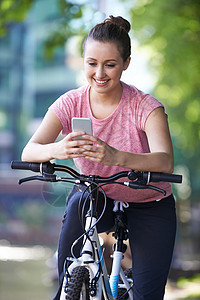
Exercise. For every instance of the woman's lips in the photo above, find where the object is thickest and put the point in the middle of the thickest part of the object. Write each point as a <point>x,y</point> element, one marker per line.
<point>101,82</point>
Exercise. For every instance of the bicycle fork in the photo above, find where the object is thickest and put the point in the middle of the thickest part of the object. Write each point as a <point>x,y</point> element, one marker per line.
<point>120,234</point>
<point>114,276</point>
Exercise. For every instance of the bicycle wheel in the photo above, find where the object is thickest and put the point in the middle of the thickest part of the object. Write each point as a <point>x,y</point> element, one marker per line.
<point>122,293</point>
<point>78,286</point>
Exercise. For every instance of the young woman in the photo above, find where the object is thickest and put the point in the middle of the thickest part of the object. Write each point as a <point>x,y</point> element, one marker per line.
<point>130,132</point>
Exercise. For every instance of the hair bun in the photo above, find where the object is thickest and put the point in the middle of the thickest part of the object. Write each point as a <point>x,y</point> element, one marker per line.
<point>119,21</point>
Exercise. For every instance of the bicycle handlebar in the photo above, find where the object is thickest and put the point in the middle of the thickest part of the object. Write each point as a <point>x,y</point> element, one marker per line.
<point>156,177</point>
<point>35,167</point>
<point>50,168</point>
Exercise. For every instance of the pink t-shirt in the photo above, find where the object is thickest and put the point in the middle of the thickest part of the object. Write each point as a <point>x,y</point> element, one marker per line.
<point>123,130</point>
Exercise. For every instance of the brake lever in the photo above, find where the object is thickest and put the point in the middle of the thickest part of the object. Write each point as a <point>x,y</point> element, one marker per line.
<point>45,177</point>
<point>135,185</point>
<point>155,188</point>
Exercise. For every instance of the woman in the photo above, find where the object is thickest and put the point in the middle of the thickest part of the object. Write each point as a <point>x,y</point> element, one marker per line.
<point>130,132</point>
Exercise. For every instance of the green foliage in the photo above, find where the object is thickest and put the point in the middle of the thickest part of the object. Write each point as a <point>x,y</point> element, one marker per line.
<point>171,30</point>
<point>182,281</point>
<point>192,284</point>
<point>13,11</point>
<point>73,20</point>
<point>63,29</point>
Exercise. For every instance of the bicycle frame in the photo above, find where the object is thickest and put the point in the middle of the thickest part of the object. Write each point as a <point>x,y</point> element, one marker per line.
<point>92,258</point>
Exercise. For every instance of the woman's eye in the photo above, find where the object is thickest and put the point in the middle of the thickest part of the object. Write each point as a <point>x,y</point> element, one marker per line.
<point>110,65</point>
<point>91,64</point>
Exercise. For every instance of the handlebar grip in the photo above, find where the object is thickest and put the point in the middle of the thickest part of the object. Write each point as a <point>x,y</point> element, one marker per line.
<point>156,177</point>
<point>22,165</point>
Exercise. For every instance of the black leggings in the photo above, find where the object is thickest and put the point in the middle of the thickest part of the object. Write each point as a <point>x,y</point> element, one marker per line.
<point>152,229</point>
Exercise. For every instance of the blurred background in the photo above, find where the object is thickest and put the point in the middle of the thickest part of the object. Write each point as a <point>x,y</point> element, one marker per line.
<point>40,58</point>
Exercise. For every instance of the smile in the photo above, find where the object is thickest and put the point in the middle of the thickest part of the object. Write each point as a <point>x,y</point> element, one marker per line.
<point>101,81</point>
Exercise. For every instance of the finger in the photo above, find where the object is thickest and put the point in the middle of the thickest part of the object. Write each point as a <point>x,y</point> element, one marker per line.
<point>91,148</point>
<point>92,139</point>
<point>76,155</point>
<point>94,159</point>
<point>93,155</point>
<point>80,144</point>
<point>75,134</point>
<point>74,151</point>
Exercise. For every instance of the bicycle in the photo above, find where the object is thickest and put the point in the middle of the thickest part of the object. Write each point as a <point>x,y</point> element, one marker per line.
<point>86,277</point>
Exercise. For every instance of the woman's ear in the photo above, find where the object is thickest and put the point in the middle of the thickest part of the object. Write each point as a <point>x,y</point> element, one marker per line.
<point>126,63</point>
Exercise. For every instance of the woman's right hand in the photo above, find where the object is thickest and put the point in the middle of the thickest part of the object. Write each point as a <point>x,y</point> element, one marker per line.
<point>70,147</point>
<point>42,146</point>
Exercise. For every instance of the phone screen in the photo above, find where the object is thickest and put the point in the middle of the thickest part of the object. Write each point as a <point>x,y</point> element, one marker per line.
<point>82,124</point>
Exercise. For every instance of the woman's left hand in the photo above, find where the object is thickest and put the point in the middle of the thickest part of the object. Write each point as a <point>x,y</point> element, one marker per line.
<point>100,151</point>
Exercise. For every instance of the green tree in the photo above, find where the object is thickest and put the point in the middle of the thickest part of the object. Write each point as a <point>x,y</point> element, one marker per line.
<point>72,19</point>
<point>12,11</point>
<point>171,29</point>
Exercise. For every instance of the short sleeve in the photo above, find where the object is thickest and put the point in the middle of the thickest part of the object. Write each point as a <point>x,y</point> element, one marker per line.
<point>62,110</point>
<point>144,108</point>
<point>71,104</point>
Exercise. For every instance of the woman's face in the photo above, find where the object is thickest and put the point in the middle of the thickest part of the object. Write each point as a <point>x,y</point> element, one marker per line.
<point>103,65</point>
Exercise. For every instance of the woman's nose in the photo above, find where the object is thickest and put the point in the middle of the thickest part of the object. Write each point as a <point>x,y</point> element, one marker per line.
<point>100,72</point>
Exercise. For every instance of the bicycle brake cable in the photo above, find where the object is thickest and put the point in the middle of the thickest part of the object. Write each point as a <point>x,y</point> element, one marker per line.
<point>86,232</point>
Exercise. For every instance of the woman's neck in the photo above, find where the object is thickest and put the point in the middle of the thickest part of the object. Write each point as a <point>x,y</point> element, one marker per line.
<point>102,105</point>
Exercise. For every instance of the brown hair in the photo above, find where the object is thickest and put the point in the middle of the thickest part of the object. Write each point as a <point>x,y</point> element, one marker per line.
<point>114,30</point>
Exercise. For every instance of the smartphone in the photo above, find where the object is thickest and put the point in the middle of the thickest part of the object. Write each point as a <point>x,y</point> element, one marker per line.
<point>82,124</point>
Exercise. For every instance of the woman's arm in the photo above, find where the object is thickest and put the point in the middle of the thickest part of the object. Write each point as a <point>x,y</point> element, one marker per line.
<point>42,146</point>
<point>160,158</point>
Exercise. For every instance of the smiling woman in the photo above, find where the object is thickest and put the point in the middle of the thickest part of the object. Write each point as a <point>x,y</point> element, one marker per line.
<point>130,131</point>
<point>103,65</point>
<point>107,50</point>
